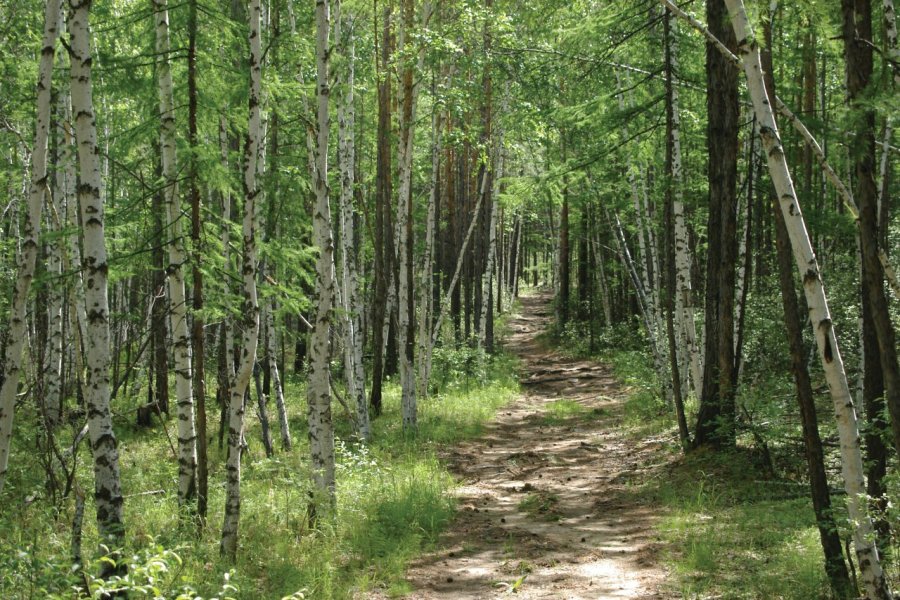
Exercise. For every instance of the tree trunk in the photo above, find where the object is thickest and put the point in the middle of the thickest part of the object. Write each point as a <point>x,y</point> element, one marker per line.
<point>858,53</point>
<point>250,310</point>
<point>187,440</point>
<point>321,428</point>
<point>826,340</point>
<point>383,195</point>
<point>197,326</point>
<point>107,488</point>
<point>673,191</point>
<point>716,419</point>
<point>27,256</point>
<point>350,286</point>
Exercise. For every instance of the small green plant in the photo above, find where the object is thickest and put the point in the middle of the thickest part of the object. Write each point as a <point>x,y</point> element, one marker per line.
<point>564,411</point>
<point>541,504</point>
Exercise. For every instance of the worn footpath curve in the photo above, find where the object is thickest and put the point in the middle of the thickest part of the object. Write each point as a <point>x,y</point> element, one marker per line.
<point>548,507</point>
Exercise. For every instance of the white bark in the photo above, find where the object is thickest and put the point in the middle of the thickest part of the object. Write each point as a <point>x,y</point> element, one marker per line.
<point>404,247</point>
<point>28,251</point>
<point>426,285</point>
<point>846,195</point>
<point>250,312</point>
<point>488,274</point>
<point>53,367</point>
<point>684,304</point>
<point>350,280</point>
<point>107,489</point>
<point>321,428</point>
<point>893,48</point>
<point>851,457</point>
<point>181,336</point>
<point>227,329</point>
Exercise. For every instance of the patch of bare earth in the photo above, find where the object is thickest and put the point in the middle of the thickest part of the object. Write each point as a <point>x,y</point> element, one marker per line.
<point>548,506</point>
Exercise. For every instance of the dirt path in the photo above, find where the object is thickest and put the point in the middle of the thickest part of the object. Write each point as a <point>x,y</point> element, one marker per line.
<point>547,505</point>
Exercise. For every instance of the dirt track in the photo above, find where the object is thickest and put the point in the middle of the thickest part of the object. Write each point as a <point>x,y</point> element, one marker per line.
<point>547,505</point>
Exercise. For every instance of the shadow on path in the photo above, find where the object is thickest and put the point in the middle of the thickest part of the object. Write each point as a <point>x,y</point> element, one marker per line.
<point>548,506</point>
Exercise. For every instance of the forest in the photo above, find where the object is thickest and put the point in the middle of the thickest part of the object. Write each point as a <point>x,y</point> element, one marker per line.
<point>444,299</point>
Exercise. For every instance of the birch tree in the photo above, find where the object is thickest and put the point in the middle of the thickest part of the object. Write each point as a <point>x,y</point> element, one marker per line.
<point>181,336</point>
<point>28,251</point>
<point>851,458</point>
<point>250,312</point>
<point>107,487</point>
<point>350,280</point>
<point>318,396</point>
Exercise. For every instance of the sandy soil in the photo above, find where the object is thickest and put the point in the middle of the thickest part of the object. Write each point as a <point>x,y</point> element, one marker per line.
<point>548,507</point>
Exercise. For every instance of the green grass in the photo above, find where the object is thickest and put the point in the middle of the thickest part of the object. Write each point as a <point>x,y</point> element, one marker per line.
<point>732,534</point>
<point>394,498</point>
<point>567,412</point>
<point>729,529</point>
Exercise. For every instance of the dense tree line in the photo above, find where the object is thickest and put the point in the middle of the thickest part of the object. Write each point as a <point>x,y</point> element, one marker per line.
<point>207,197</point>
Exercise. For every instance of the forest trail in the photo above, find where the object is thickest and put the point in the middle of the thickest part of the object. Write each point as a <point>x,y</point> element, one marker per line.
<point>548,505</point>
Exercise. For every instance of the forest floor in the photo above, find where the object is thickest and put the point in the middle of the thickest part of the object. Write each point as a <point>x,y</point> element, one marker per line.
<point>549,501</point>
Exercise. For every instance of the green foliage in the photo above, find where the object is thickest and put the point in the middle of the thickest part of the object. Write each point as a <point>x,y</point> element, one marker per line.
<point>733,533</point>
<point>394,498</point>
<point>565,411</point>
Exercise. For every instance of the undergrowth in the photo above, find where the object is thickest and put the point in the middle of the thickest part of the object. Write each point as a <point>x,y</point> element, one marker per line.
<point>394,498</point>
<point>734,525</point>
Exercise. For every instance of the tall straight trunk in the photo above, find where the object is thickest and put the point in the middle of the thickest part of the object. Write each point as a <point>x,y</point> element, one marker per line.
<point>225,371</point>
<point>684,303</point>
<point>851,457</point>
<point>107,487</point>
<point>487,339</point>
<point>350,285</point>
<point>673,171</point>
<point>197,326</point>
<point>715,421</point>
<point>893,52</point>
<point>250,309</point>
<point>404,226</point>
<point>427,285</point>
<point>53,371</point>
<point>318,397</point>
<point>857,32</point>
<point>28,251</point>
<point>181,339</point>
<point>383,193</point>
<point>564,285</point>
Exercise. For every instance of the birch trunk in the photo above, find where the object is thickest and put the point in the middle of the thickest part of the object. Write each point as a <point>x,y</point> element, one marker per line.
<point>321,428</point>
<point>28,251</point>
<point>404,225</point>
<point>350,281</point>
<point>488,274</point>
<point>851,458</point>
<point>684,304</point>
<point>271,354</point>
<point>250,312</point>
<point>53,367</point>
<point>107,489</point>
<point>426,286</point>
<point>181,337</point>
